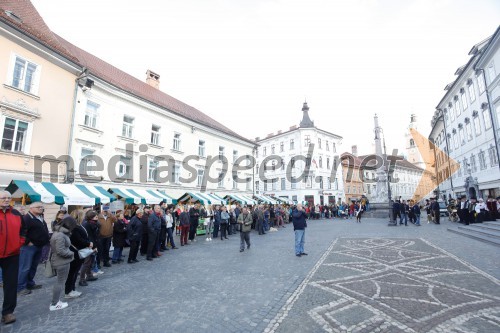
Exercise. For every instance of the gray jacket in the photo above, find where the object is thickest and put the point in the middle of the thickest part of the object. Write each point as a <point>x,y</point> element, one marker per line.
<point>59,246</point>
<point>246,222</point>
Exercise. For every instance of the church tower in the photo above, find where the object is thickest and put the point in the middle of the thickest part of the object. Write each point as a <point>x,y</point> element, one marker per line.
<point>411,146</point>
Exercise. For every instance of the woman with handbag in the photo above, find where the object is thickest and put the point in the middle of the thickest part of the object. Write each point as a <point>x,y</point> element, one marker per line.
<point>61,258</point>
<point>79,240</point>
<point>92,231</point>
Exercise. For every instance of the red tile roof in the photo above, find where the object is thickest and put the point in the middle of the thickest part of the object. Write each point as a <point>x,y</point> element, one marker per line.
<point>34,26</point>
<point>31,24</point>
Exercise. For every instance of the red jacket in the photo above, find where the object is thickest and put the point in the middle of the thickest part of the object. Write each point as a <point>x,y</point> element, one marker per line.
<point>10,233</point>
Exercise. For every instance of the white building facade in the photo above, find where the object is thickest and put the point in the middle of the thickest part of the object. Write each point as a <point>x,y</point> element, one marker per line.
<point>300,164</point>
<point>463,127</point>
<point>128,133</point>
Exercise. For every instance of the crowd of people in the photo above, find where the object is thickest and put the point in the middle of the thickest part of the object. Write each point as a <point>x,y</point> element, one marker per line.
<point>473,210</point>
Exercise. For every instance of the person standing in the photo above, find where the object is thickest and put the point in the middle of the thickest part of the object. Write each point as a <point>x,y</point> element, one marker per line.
<point>134,235</point>
<point>416,212</point>
<point>245,221</point>
<point>216,213</point>
<point>194,216</point>
<point>36,235</point>
<point>119,236</point>
<point>163,230</point>
<point>79,240</point>
<point>435,210</point>
<point>224,223</point>
<point>105,234</point>
<point>170,227</point>
<point>145,231</point>
<point>299,226</point>
<point>92,229</point>
<point>209,222</point>
<point>61,258</point>
<point>403,211</point>
<point>154,227</point>
<point>11,241</point>
<point>260,220</point>
<point>184,225</point>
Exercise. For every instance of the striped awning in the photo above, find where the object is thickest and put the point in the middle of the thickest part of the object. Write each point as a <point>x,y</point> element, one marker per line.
<point>266,199</point>
<point>168,199</point>
<point>285,200</point>
<point>241,198</point>
<point>97,192</point>
<point>203,198</point>
<point>127,195</point>
<point>46,192</point>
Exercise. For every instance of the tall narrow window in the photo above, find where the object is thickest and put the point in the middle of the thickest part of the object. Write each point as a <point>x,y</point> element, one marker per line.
<point>292,146</point>
<point>321,162</point>
<point>477,124</point>
<point>319,143</point>
<point>307,140</point>
<point>480,82</point>
<point>283,184</point>
<point>329,183</point>
<point>87,162</point>
<point>248,183</point>
<point>273,149</point>
<point>452,112</point>
<point>275,184</point>
<point>14,135</point>
<point>201,148</point>
<point>457,107</point>
<point>176,173</point>
<point>334,148</point>
<point>487,119</point>
<point>482,160</point>
<point>464,99</point>
<point>328,163</point>
<point>264,151</point>
<point>235,155</point>
<point>327,145</point>
<point>221,153</point>
<point>472,93</point>
<point>473,165</point>
<point>155,135</point>
<point>282,146</point>
<point>25,75</point>
<point>491,72</point>
<point>492,152</point>
<point>125,167</point>
<point>468,129</point>
<point>153,169</point>
<point>221,179</point>
<point>201,173</point>
<point>91,114</point>
<point>128,127</point>
<point>177,142</point>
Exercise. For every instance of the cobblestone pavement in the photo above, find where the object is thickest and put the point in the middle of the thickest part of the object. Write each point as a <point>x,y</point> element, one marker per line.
<point>357,278</point>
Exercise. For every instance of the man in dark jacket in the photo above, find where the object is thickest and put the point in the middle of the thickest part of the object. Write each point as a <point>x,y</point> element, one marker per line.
<point>144,238</point>
<point>134,235</point>
<point>194,216</point>
<point>36,236</point>
<point>299,226</point>
<point>435,210</point>
<point>154,227</point>
<point>10,246</point>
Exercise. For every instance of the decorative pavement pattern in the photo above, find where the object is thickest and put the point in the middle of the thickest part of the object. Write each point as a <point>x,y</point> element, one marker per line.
<point>391,285</point>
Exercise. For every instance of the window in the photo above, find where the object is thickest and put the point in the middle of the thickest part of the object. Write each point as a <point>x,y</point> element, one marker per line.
<point>487,119</point>
<point>221,180</point>
<point>327,146</point>
<point>292,145</point>
<point>491,72</point>
<point>308,181</point>
<point>201,148</point>
<point>328,163</point>
<point>177,142</point>
<point>275,184</point>
<point>468,128</point>
<point>282,164</point>
<point>307,141</point>
<point>334,148</point>
<point>459,173</point>
<point>462,135</point>
<point>128,126</point>
<point>320,162</point>
<point>308,161</point>
<point>124,167</point>
<point>257,169</point>
<point>273,163</point>
<point>480,82</point>
<point>477,125</point>
<point>91,114</point>
<point>292,162</point>
<point>272,149</point>
<point>336,184</point>
<point>257,186</point>
<point>176,173</point>
<point>329,183</point>
<point>293,183</point>
<point>86,162</point>
<point>235,185</point>
<point>472,93</point>
<point>452,112</point>
<point>155,135</point>
<point>14,135</point>
<point>264,151</point>
<point>265,185</point>
<point>319,143</point>
<point>25,75</point>
<point>482,160</point>
<point>235,155</point>
<point>152,170</point>
<point>248,183</point>
<point>321,182</point>
<point>457,107</point>
<point>201,173</point>
<point>282,146</point>
<point>466,165</point>
<point>473,165</point>
<point>221,153</point>
<point>464,99</point>
<point>455,139</point>
<point>493,156</point>
<point>283,184</point>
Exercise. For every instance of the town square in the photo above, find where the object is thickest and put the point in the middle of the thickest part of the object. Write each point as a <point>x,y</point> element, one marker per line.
<point>250,166</point>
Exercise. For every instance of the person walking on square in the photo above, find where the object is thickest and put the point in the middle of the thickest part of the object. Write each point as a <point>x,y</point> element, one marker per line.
<point>299,226</point>
<point>245,220</point>
<point>10,243</point>
<point>37,236</point>
<point>61,258</point>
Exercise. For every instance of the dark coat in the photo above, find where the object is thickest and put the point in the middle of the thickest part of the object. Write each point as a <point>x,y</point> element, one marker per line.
<point>194,215</point>
<point>119,233</point>
<point>134,229</point>
<point>92,231</point>
<point>35,231</point>
<point>144,221</point>
<point>154,223</point>
<point>184,219</point>
<point>79,239</point>
<point>299,219</point>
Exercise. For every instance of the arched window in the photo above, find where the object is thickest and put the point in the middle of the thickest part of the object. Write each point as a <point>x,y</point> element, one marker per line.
<point>412,143</point>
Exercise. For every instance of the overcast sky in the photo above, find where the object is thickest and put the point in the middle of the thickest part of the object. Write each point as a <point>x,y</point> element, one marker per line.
<point>250,64</point>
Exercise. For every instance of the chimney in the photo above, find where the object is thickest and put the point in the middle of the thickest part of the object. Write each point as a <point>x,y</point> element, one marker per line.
<point>354,150</point>
<point>293,127</point>
<point>153,79</point>
<point>270,135</point>
<point>279,132</point>
<point>257,138</point>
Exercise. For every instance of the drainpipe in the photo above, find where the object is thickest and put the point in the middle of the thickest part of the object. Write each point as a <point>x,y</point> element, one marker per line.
<point>491,115</point>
